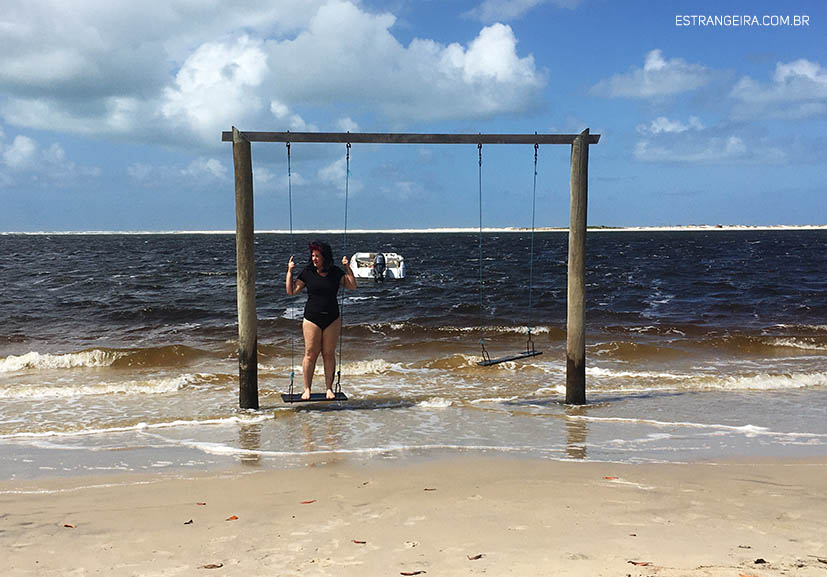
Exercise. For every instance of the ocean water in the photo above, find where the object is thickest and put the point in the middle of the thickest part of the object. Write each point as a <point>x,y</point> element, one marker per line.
<point>118,351</point>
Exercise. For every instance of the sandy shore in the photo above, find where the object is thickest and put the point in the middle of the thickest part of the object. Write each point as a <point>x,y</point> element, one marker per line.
<point>459,516</point>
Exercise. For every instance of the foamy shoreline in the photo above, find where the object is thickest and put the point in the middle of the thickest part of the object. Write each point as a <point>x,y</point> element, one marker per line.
<point>446,230</point>
<point>454,516</point>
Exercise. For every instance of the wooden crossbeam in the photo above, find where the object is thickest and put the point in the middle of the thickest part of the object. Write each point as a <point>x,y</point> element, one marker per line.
<point>408,138</point>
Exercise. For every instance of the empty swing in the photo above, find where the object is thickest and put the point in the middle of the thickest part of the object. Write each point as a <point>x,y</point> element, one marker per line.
<point>529,351</point>
<point>290,396</point>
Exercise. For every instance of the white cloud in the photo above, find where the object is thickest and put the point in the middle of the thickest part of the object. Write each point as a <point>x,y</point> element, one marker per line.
<point>706,149</point>
<point>662,124</point>
<point>99,49</point>
<point>289,120</point>
<point>209,168</point>
<point>140,172</point>
<point>55,166</point>
<point>506,10</point>
<point>347,124</point>
<point>279,109</point>
<point>268,180</point>
<point>334,174</point>
<point>659,77</point>
<point>91,68</point>
<point>108,116</point>
<point>790,73</point>
<point>492,55</point>
<point>205,171</point>
<point>185,71</point>
<point>797,90</point>
<point>356,60</point>
<point>199,172</point>
<point>216,86</point>
<point>20,154</point>
<point>82,48</point>
<point>25,161</point>
<point>666,140</point>
<point>265,177</point>
<point>403,190</point>
<point>486,78</point>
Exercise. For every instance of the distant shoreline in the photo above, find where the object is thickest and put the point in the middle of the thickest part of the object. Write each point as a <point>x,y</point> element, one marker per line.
<point>446,230</point>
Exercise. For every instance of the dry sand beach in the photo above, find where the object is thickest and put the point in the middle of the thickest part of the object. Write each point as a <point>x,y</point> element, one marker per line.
<point>444,516</point>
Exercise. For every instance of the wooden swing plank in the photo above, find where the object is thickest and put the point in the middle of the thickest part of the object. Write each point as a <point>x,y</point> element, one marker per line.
<point>297,397</point>
<point>516,357</point>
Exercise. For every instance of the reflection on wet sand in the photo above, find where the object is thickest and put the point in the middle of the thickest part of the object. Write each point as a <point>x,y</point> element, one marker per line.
<point>319,436</point>
<point>576,432</point>
<point>249,439</point>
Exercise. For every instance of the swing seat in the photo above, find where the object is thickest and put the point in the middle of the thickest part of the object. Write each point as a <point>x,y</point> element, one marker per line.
<point>297,397</point>
<point>487,362</point>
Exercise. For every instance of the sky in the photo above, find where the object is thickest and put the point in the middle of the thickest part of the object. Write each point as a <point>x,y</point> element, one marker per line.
<point>111,112</point>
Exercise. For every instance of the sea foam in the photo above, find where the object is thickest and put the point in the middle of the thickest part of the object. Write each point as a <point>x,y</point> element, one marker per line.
<point>769,381</point>
<point>142,427</point>
<point>34,360</point>
<point>133,387</point>
<point>800,343</point>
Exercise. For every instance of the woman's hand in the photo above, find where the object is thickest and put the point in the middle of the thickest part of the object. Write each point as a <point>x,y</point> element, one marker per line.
<point>290,286</point>
<point>348,281</point>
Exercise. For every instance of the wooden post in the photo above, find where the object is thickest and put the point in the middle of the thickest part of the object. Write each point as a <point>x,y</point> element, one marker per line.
<point>246,273</point>
<point>576,313</point>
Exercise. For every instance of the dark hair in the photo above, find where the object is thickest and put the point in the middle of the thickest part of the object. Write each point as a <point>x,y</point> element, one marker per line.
<point>327,253</point>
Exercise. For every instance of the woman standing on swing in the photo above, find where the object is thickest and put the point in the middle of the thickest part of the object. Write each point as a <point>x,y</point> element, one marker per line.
<point>321,325</point>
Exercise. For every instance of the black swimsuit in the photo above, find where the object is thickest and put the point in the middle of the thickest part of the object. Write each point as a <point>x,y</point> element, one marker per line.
<point>321,308</point>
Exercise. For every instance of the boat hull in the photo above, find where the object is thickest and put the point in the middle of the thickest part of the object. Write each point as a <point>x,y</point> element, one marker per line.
<point>361,263</point>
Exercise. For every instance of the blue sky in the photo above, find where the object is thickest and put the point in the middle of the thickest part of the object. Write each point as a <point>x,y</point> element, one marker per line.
<point>111,112</point>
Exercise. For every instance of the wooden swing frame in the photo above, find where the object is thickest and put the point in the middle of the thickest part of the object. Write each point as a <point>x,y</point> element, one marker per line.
<point>245,242</point>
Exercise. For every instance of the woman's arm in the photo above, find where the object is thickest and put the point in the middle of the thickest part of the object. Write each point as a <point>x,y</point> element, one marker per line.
<point>348,281</point>
<point>293,287</point>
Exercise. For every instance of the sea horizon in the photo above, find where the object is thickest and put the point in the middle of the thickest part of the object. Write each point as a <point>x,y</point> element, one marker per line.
<point>437,230</point>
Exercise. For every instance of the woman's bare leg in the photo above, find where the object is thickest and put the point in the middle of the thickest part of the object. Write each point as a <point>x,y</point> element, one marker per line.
<point>312,348</point>
<point>330,336</point>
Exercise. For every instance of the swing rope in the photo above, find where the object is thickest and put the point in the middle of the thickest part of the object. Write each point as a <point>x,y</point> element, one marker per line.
<point>292,252</point>
<point>530,351</point>
<point>338,389</point>
<point>485,354</point>
<point>342,298</point>
<point>529,345</point>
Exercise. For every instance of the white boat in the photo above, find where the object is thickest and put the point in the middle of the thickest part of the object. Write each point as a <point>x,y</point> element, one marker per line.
<point>362,265</point>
